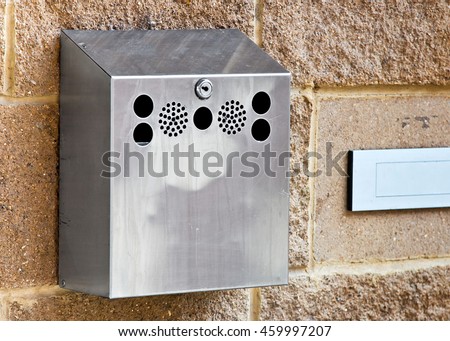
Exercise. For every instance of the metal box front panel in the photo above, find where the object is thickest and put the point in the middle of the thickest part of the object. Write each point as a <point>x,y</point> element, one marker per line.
<point>222,229</point>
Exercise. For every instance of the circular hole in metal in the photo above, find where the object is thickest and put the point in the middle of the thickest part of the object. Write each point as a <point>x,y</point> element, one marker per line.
<point>260,130</point>
<point>143,106</point>
<point>203,118</point>
<point>261,103</point>
<point>143,134</point>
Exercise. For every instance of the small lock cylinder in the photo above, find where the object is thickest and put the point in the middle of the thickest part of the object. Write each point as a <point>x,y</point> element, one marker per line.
<point>203,89</point>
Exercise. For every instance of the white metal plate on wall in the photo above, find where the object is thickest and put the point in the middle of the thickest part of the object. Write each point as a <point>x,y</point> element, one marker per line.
<point>398,179</point>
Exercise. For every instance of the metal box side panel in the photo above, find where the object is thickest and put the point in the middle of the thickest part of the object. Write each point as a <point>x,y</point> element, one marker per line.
<point>182,234</point>
<point>83,194</point>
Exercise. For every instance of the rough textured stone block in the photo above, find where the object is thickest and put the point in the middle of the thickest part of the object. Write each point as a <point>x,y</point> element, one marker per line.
<point>299,190</point>
<point>28,195</point>
<point>411,295</point>
<point>38,26</point>
<point>360,42</point>
<point>64,305</point>
<point>2,43</point>
<point>390,122</point>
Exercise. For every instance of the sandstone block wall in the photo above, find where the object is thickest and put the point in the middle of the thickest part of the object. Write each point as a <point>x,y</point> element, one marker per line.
<point>366,74</point>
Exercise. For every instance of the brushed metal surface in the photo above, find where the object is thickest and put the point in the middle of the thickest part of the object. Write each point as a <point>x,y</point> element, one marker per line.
<point>174,52</point>
<point>177,234</point>
<point>399,179</point>
<point>170,234</point>
<point>83,196</point>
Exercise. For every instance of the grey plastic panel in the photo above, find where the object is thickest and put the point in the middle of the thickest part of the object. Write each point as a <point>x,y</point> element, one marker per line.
<point>399,179</point>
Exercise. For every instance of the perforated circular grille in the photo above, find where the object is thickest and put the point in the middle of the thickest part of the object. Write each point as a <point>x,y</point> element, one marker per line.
<point>173,119</point>
<point>232,117</point>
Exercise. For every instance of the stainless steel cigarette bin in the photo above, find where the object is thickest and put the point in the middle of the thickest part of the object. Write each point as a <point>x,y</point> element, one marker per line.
<point>173,163</point>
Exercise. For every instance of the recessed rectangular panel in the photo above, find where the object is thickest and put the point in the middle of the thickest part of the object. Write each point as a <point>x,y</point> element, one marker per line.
<point>396,179</point>
<point>399,179</point>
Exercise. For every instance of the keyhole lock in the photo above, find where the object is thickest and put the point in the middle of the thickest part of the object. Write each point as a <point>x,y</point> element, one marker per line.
<point>203,88</point>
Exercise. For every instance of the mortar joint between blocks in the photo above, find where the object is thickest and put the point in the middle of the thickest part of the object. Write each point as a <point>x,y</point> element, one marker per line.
<point>309,93</point>
<point>258,22</point>
<point>10,49</point>
<point>255,304</point>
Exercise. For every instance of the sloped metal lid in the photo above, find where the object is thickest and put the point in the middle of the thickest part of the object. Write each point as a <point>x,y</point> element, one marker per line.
<point>174,52</point>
